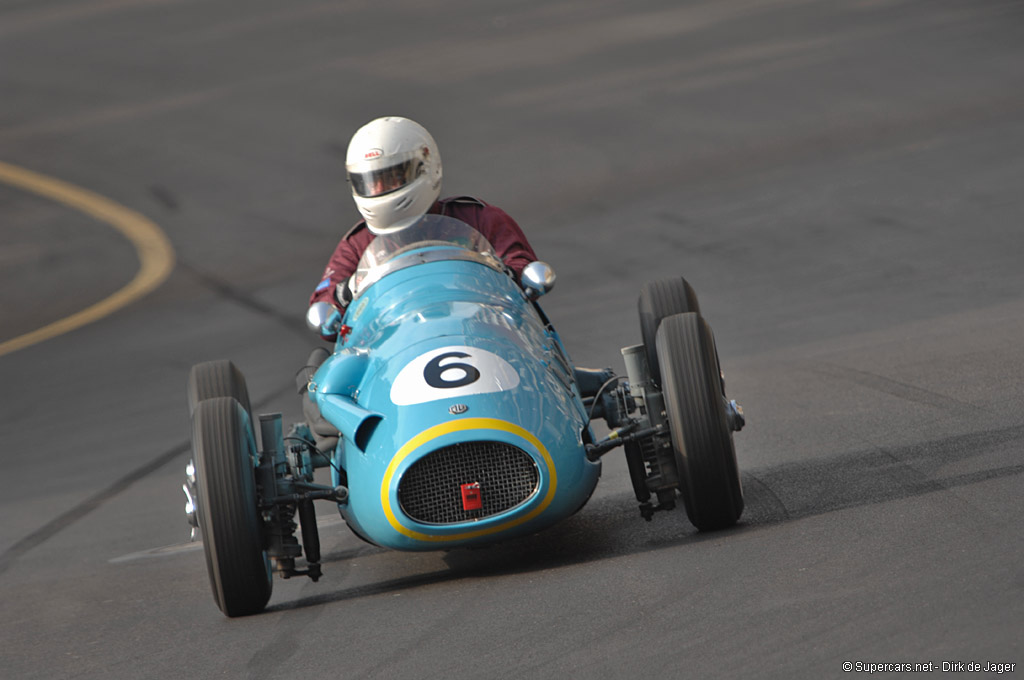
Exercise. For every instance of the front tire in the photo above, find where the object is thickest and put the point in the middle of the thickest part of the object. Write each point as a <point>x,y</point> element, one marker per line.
<point>224,451</point>
<point>695,408</point>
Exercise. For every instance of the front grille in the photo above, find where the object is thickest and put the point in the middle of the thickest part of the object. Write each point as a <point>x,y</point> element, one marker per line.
<point>431,490</point>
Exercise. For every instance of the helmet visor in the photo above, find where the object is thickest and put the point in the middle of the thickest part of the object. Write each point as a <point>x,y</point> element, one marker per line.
<point>380,181</point>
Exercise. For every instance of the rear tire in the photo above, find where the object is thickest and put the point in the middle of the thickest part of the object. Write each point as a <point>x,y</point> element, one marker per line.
<point>224,451</point>
<point>213,379</point>
<point>658,300</point>
<point>701,437</point>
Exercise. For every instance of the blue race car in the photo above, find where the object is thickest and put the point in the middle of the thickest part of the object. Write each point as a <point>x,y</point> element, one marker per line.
<point>450,415</point>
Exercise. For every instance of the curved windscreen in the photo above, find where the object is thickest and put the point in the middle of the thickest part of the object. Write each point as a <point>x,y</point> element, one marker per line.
<point>429,239</point>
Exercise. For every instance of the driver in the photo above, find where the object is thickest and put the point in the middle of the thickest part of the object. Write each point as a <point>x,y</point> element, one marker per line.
<point>395,171</point>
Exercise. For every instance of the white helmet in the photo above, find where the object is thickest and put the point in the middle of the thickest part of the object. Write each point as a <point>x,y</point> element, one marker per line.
<point>395,171</point>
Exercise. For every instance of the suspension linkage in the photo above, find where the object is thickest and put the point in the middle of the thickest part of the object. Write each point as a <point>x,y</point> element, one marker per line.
<point>618,437</point>
<point>314,492</point>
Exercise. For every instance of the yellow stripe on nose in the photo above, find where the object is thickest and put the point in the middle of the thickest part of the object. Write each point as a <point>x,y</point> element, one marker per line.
<point>459,426</point>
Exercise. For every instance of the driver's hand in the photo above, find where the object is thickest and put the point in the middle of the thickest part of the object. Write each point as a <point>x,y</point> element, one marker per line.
<point>329,330</point>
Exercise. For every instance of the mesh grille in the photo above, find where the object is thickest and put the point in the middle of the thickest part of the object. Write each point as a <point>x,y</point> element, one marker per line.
<point>431,490</point>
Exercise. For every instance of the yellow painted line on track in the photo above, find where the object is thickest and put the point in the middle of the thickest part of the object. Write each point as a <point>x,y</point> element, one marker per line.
<point>156,256</point>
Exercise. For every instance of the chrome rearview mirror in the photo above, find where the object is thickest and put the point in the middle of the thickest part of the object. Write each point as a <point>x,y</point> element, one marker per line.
<point>321,316</point>
<point>538,278</point>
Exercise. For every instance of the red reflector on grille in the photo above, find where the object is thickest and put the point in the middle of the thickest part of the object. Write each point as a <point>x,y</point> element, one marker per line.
<point>472,499</point>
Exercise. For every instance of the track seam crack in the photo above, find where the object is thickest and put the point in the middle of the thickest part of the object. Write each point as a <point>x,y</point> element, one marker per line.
<point>294,325</point>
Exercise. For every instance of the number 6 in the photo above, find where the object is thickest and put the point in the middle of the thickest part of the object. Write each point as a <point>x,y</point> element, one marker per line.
<point>433,373</point>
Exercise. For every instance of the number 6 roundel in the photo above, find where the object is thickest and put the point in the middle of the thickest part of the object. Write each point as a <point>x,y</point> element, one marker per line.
<point>448,372</point>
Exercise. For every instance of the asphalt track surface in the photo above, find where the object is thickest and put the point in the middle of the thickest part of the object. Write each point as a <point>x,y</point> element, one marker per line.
<point>840,181</point>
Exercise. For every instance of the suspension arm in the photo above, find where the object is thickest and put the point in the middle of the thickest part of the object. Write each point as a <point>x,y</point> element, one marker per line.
<point>313,492</point>
<point>620,436</point>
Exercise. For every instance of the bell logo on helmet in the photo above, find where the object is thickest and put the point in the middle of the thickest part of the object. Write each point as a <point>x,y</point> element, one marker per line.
<point>373,153</point>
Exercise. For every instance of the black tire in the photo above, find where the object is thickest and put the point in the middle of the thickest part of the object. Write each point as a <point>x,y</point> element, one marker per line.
<point>213,379</point>
<point>223,448</point>
<point>701,437</point>
<point>658,300</point>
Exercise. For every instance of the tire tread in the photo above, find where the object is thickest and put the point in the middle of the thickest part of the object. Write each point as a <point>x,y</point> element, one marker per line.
<point>700,432</point>
<point>659,300</point>
<point>218,378</point>
<point>228,515</point>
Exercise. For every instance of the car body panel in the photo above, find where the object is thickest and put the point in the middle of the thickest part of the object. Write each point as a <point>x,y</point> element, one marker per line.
<point>442,352</point>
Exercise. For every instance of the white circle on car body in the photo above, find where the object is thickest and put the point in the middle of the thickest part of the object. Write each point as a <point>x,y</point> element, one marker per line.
<point>449,372</point>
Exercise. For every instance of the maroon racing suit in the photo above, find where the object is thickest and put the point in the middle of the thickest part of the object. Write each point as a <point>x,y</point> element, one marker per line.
<point>497,227</point>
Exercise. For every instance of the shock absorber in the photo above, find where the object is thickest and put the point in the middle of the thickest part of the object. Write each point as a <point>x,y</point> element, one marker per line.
<point>282,546</point>
<point>651,461</point>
